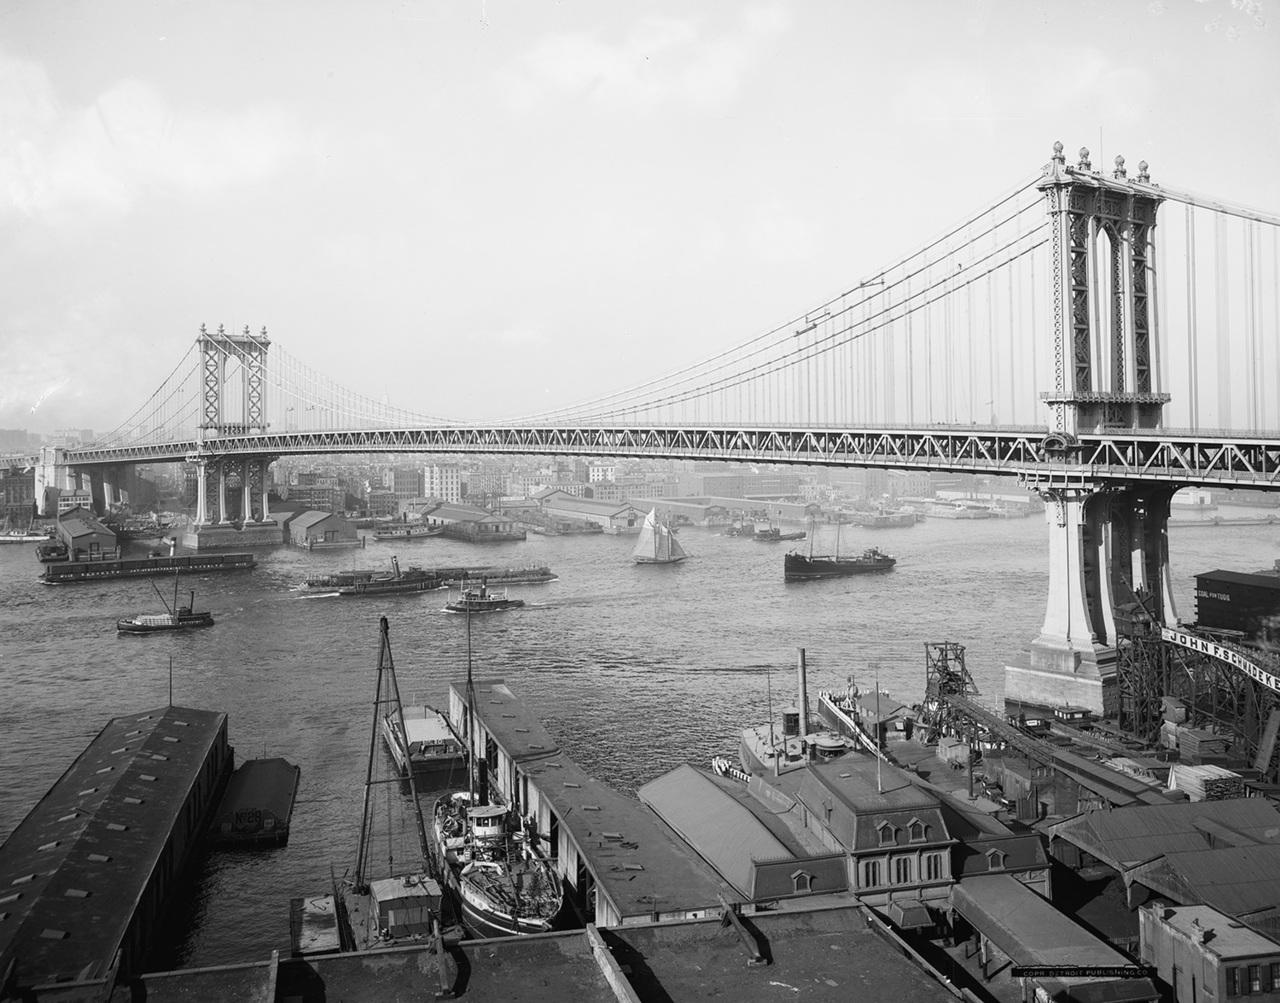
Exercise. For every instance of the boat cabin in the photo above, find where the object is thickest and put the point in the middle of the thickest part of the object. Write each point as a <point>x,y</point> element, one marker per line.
<point>405,905</point>
<point>1074,715</point>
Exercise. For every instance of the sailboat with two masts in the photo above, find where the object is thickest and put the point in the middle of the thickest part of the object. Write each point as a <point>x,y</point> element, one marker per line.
<point>657,543</point>
<point>406,904</point>
<point>798,567</point>
<point>491,860</point>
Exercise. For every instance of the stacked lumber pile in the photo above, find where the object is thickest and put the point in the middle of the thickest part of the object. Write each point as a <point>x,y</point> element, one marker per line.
<point>1196,745</point>
<point>1206,783</point>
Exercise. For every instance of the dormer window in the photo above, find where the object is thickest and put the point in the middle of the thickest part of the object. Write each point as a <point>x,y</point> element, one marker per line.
<point>888,834</point>
<point>917,831</point>
<point>995,860</point>
<point>802,881</point>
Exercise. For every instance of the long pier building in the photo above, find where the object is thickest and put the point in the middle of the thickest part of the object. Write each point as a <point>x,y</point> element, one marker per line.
<point>85,878</point>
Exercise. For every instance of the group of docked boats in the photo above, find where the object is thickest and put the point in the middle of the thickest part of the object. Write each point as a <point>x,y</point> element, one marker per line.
<point>480,871</point>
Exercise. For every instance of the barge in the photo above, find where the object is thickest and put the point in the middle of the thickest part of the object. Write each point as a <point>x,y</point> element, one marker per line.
<point>258,804</point>
<point>135,567</point>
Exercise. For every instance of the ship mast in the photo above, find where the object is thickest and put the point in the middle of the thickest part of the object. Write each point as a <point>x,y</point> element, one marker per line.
<point>386,684</point>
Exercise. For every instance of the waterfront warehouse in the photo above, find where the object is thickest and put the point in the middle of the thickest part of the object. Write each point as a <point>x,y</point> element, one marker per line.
<point>85,878</point>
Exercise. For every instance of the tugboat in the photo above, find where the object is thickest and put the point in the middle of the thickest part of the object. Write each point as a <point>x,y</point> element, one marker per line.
<point>481,600</point>
<point>772,534</point>
<point>174,617</point>
<point>413,580</point>
<point>492,862</point>
<point>798,567</point>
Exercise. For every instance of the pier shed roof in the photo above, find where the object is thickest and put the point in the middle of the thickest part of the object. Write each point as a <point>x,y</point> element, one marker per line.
<point>1032,932</point>
<point>1123,837</point>
<point>722,829</point>
<point>635,861</point>
<point>504,715</point>
<point>1238,880</point>
<point>73,872</point>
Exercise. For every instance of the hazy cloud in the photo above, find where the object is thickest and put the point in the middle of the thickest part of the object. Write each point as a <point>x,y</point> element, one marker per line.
<point>102,157</point>
<point>660,61</point>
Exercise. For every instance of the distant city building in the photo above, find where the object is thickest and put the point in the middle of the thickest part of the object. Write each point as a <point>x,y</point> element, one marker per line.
<point>745,484</point>
<point>443,482</point>
<point>327,497</point>
<point>404,482</point>
<point>381,503</point>
<point>597,472</point>
<point>17,495</point>
<point>68,500</point>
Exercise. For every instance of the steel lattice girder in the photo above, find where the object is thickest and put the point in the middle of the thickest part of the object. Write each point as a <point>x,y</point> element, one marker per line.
<point>1093,460</point>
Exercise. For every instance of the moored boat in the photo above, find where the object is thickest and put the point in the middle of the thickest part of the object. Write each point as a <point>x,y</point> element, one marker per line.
<point>23,536</point>
<point>406,905</point>
<point>490,860</point>
<point>406,531</point>
<point>481,599</point>
<point>504,884</point>
<point>428,744</point>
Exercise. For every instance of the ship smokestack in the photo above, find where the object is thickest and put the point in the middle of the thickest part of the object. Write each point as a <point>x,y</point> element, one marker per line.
<point>804,697</point>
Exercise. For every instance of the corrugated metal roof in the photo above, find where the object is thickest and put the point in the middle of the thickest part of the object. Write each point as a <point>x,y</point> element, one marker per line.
<point>721,829</point>
<point>1125,837</point>
<point>1237,879</point>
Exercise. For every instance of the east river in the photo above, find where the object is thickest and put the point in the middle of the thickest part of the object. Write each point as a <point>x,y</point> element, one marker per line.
<point>633,669</point>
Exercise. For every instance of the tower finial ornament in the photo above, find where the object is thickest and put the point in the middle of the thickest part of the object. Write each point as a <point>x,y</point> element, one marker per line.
<point>1120,172</point>
<point>1085,164</point>
<point>1143,175</point>
<point>1058,158</point>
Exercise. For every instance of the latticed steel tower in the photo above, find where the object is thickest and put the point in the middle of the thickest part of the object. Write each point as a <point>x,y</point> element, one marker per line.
<point>251,352</point>
<point>945,676</point>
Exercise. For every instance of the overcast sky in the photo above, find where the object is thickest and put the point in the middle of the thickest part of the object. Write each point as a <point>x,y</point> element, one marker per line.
<point>491,208</point>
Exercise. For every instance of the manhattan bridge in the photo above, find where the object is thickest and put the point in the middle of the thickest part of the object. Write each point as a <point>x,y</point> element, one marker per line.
<point>1102,336</point>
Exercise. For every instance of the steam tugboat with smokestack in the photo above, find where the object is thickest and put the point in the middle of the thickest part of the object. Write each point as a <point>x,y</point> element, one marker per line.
<point>765,749</point>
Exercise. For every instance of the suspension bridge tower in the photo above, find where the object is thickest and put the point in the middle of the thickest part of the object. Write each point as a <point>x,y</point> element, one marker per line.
<point>1108,540</point>
<point>231,491</point>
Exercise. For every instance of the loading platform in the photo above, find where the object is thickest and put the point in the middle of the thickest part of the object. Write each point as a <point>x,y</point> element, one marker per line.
<point>1115,787</point>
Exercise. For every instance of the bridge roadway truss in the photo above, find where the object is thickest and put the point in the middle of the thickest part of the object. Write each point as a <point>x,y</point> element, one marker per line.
<point>1042,459</point>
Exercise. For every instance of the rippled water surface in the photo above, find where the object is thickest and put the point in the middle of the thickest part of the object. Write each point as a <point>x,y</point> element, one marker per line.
<point>633,669</point>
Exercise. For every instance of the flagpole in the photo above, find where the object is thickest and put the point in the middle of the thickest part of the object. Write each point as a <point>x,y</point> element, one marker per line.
<point>879,753</point>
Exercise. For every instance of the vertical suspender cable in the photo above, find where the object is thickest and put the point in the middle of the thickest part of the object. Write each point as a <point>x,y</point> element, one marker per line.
<point>1193,389</point>
<point>1222,336</point>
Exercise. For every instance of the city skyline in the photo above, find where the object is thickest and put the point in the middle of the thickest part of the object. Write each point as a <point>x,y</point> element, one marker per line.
<point>487,209</point>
